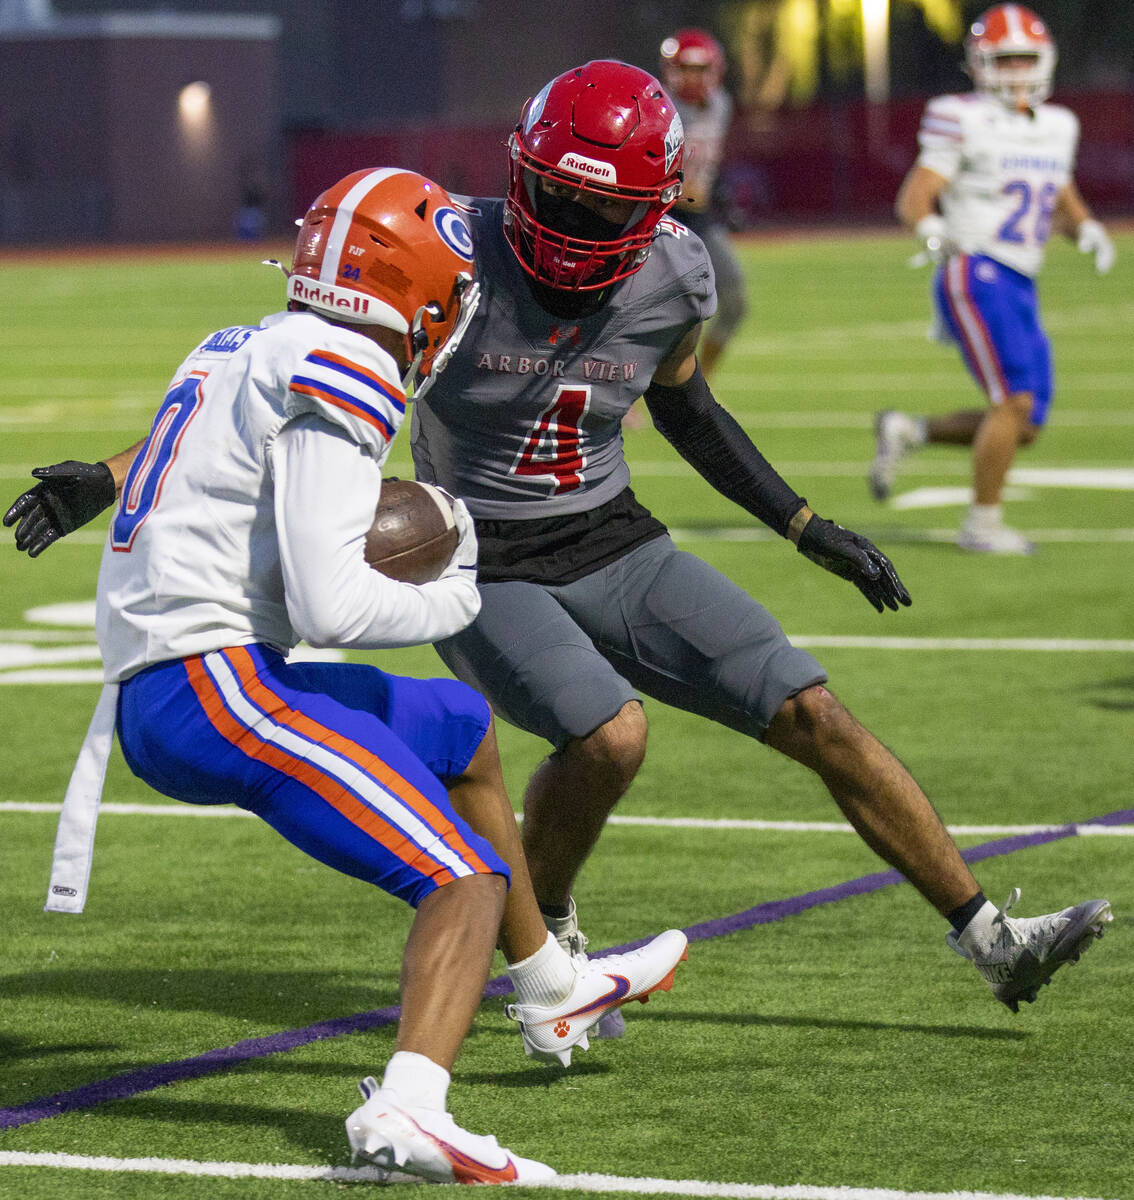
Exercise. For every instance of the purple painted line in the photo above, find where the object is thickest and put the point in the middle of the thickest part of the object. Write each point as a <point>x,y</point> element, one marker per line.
<point>777,910</point>
<point>145,1079</point>
<point>132,1083</point>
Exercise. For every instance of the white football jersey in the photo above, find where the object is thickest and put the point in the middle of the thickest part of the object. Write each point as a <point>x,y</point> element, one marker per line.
<point>243,516</point>
<point>1005,171</point>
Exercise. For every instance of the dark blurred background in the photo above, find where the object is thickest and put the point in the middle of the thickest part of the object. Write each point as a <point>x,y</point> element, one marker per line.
<point>142,122</point>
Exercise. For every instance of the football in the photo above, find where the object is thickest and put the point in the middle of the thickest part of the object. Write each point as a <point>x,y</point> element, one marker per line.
<point>413,534</point>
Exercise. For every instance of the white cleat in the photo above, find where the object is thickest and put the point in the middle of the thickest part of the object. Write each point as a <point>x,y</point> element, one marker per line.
<point>567,933</point>
<point>551,1032</point>
<point>998,539</point>
<point>1023,953</point>
<point>895,435</point>
<point>430,1145</point>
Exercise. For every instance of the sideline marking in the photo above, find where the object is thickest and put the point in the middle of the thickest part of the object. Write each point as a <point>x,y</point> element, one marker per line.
<point>115,808</point>
<point>20,664</point>
<point>564,1183</point>
<point>810,341</point>
<point>893,534</point>
<point>1039,645</point>
<point>145,1079</point>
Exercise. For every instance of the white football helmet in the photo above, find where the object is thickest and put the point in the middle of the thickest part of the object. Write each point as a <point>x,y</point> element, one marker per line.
<point>1011,56</point>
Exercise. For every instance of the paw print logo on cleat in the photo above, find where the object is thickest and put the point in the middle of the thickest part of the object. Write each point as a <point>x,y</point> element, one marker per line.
<point>562,1029</point>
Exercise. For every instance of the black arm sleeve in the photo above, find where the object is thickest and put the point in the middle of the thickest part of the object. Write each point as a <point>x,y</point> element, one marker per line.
<point>711,441</point>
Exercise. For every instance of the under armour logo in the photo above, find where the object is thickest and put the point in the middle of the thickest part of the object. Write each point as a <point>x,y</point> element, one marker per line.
<point>571,334</point>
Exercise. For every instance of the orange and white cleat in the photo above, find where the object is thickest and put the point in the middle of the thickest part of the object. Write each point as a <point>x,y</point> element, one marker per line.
<point>550,1033</point>
<point>430,1145</point>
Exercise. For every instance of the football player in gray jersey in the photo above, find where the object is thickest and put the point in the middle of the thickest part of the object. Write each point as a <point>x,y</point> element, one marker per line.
<point>591,297</point>
<point>693,67</point>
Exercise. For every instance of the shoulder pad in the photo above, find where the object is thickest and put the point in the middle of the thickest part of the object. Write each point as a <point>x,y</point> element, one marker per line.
<point>351,382</point>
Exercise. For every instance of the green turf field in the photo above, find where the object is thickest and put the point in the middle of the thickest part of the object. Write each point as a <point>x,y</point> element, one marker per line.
<point>841,1047</point>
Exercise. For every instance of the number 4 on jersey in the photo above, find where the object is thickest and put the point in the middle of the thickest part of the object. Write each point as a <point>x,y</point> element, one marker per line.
<point>551,449</point>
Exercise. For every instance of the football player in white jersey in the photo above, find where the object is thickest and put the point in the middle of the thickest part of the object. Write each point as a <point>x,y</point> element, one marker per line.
<point>693,66</point>
<point>241,530</point>
<point>590,299</point>
<point>993,179</point>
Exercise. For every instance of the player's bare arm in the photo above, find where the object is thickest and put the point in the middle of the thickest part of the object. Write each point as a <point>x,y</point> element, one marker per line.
<point>1073,219</point>
<point>917,197</point>
<point>119,464</point>
<point>918,210</point>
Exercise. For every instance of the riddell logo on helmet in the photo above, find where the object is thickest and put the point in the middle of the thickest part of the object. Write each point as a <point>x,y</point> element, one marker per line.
<point>328,297</point>
<point>588,166</point>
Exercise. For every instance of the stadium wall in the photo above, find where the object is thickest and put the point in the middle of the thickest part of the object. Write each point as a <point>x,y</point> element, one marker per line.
<point>95,146</point>
<point>829,162</point>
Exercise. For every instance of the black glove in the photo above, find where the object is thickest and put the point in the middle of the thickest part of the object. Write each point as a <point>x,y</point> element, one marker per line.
<point>71,494</point>
<point>854,557</point>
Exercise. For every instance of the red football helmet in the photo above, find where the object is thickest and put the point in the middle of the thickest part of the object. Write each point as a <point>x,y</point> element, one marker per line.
<point>387,247</point>
<point>693,65</point>
<point>1011,32</point>
<point>606,130</point>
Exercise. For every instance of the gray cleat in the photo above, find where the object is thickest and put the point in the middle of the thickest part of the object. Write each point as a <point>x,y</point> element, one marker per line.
<point>895,435</point>
<point>1024,952</point>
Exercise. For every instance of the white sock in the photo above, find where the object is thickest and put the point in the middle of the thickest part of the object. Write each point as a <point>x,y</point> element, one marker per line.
<point>419,1081</point>
<point>544,977</point>
<point>920,431</point>
<point>978,933</point>
<point>985,516</point>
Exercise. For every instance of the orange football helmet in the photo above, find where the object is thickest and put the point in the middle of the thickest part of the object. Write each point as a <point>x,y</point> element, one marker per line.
<point>1010,55</point>
<point>388,247</point>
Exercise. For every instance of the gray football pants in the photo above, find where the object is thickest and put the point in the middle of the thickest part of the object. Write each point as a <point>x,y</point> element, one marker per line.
<point>559,661</point>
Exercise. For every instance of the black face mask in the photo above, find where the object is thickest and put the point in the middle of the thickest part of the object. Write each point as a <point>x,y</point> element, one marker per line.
<point>565,216</point>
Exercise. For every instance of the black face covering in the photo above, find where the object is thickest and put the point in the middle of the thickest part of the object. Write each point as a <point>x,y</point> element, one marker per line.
<point>571,306</point>
<point>565,216</point>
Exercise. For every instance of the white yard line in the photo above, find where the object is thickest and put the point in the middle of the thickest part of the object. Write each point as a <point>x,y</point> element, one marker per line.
<point>116,808</point>
<point>27,664</point>
<point>566,1183</point>
<point>758,533</point>
<point>746,533</point>
<point>1103,317</point>
<point>1034,645</point>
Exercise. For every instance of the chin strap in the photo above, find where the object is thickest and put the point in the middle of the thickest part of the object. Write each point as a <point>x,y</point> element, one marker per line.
<point>470,298</point>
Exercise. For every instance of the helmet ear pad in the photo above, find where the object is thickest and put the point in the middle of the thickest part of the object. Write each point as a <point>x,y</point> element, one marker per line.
<point>419,336</point>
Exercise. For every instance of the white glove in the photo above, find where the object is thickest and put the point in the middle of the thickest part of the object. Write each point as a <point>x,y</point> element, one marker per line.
<point>936,246</point>
<point>463,561</point>
<point>1094,239</point>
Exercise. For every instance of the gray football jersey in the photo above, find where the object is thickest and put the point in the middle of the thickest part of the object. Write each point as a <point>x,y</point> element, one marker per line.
<point>706,127</point>
<point>526,420</point>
